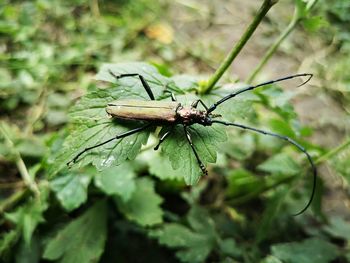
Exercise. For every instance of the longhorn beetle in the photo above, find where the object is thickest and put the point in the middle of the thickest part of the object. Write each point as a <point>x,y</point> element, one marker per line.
<point>172,113</point>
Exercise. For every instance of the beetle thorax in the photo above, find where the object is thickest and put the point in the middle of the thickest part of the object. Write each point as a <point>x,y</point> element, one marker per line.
<point>190,115</point>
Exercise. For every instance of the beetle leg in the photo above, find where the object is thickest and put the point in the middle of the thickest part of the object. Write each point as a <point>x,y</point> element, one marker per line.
<point>143,81</point>
<point>189,139</point>
<point>162,139</point>
<point>119,136</point>
<point>173,98</point>
<point>195,104</point>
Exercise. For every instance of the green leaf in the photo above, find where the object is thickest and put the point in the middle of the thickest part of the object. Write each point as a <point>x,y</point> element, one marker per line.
<point>281,127</point>
<point>161,167</point>
<point>240,145</point>
<point>193,247</point>
<point>30,215</point>
<point>307,251</point>
<point>71,189</point>
<point>239,107</point>
<point>29,254</point>
<point>150,73</point>
<point>92,125</point>
<point>107,155</point>
<point>278,100</point>
<point>347,256</point>
<point>206,141</point>
<point>144,205</point>
<point>81,240</point>
<point>229,247</point>
<point>280,163</point>
<point>271,259</point>
<point>194,244</point>
<point>301,8</point>
<point>186,82</point>
<point>200,221</point>
<point>236,109</point>
<point>117,180</point>
<point>268,222</point>
<point>7,241</point>
<point>315,23</point>
<point>241,181</point>
<point>339,228</point>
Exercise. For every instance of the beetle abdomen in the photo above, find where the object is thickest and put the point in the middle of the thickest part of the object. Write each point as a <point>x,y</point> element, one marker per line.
<point>162,111</point>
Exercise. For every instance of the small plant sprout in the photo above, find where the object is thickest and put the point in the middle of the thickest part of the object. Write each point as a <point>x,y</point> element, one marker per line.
<point>171,113</point>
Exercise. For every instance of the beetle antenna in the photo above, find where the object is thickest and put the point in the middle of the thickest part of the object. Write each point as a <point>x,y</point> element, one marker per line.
<point>213,107</point>
<point>282,137</point>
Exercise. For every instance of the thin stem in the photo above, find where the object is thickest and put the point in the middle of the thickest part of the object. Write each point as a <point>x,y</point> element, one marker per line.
<point>297,17</point>
<point>267,4</point>
<point>12,200</point>
<point>273,49</point>
<point>37,111</point>
<point>11,185</point>
<point>333,152</point>
<point>29,182</point>
<point>95,10</point>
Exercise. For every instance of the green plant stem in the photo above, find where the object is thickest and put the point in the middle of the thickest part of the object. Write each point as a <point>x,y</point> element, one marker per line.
<point>12,200</point>
<point>95,10</point>
<point>297,17</point>
<point>273,49</point>
<point>333,152</point>
<point>267,4</point>
<point>28,181</point>
<point>11,185</point>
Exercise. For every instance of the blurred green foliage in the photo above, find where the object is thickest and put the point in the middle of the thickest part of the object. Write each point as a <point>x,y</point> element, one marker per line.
<point>141,206</point>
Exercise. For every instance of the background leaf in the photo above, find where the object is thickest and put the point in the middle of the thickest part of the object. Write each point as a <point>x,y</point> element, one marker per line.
<point>71,189</point>
<point>280,163</point>
<point>194,245</point>
<point>161,167</point>
<point>81,240</point>
<point>144,205</point>
<point>338,227</point>
<point>30,215</point>
<point>118,180</point>
<point>309,250</point>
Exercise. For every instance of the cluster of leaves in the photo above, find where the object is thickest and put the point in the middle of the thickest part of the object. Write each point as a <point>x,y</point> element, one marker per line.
<point>124,201</point>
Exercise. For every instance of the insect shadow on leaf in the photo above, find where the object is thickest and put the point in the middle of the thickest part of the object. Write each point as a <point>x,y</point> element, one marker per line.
<point>171,113</point>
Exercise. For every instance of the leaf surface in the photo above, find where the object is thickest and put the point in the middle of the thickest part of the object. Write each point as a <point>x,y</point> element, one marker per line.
<point>195,243</point>
<point>81,240</point>
<point>71,189</point>
<point>30,215</point>
<point>143,207</point>
<point>92,125</point>
<point>206,141</point>
<point>280,163</point>
<point>117,180</point>
<point>309,250</point>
